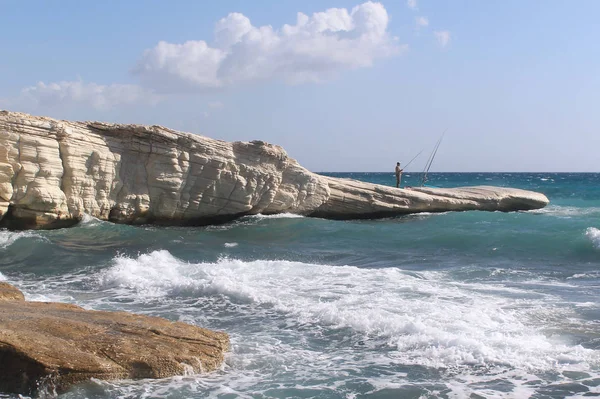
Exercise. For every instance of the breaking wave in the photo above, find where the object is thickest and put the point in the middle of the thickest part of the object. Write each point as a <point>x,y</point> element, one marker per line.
<point>90,221</point>
<point>7,238</point>
<point>430,321</point>
<point>593,234</point>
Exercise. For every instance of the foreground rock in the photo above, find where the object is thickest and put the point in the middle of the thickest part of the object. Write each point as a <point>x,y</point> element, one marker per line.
<point>53,172</point>
<point>50,346</point>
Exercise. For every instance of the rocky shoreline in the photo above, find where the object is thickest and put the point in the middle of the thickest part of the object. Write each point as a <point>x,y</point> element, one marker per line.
<point>53,172</point>
<point>48,347</point>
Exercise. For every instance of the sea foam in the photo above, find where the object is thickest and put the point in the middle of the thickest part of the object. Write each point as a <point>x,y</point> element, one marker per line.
<point>430,321</point>
<point>90,221</point>
<point>593,234</point>
<point>566,211</point>
<point>277,216</point>
<point>7,238</point>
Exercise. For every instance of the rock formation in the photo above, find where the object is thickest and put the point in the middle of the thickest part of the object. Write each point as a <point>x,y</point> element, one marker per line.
<point>50,346</point>
<point>53,172</point>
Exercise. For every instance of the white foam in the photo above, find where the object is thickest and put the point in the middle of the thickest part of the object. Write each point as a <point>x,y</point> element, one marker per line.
<point>587,305</point>
<point>427,214</point>
<point>230,244</point>
<point>2,277</point>
<point>566,211</point>
<point>89,221</point>
<point>56,288</point>
<point>432,322</point>
<point>7,238</point>
<point>277,216</point>
<point>593,234</point>
<point>49,297</point>
<point>595,274</point>
<point>150,275</point>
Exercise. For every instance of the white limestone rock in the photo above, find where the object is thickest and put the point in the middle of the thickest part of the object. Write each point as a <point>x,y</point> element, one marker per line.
<point>53,172</point>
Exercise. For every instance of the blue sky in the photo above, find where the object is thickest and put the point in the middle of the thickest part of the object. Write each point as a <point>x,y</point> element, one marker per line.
<point>355,87</point>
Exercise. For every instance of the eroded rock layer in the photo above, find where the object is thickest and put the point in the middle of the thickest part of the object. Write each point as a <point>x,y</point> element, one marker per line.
<point>53,172</point>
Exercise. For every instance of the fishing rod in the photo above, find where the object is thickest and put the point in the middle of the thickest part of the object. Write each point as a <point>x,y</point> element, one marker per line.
<point>426,164</point>
<point>431,158</point>
<point>426,167</point>
<point>415,157</point>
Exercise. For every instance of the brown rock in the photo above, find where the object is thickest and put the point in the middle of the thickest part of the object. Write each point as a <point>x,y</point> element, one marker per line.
<point>54,345</point>
<point>10,293</point>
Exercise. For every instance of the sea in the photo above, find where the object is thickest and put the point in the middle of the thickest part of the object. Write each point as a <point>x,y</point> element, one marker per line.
<point>448,305</point>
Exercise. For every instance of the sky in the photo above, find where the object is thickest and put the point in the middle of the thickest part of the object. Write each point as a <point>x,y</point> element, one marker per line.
<point>341,85</point>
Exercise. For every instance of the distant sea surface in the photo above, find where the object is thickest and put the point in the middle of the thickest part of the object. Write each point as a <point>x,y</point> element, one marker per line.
<point>449,305</point>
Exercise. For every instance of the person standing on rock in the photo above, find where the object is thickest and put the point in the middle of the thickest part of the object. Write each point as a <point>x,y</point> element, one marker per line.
<point>398,174</point>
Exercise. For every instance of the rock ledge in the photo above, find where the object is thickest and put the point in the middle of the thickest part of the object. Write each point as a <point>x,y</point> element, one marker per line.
<point>53,172</point>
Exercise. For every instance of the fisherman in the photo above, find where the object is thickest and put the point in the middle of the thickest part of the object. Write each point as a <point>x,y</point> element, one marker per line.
<point>398,174</point>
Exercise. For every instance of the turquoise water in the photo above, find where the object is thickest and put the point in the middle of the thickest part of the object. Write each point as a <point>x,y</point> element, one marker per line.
<point>450,305</point>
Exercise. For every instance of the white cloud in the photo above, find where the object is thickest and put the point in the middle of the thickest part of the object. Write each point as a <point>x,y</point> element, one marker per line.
<point>91,94</point>
<point>421,22</point>
<point>443,37</point>
<point>412,4</point>
<point>312,50</point>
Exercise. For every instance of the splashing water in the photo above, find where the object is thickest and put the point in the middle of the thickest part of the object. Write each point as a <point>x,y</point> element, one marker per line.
<point>593,234</point>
